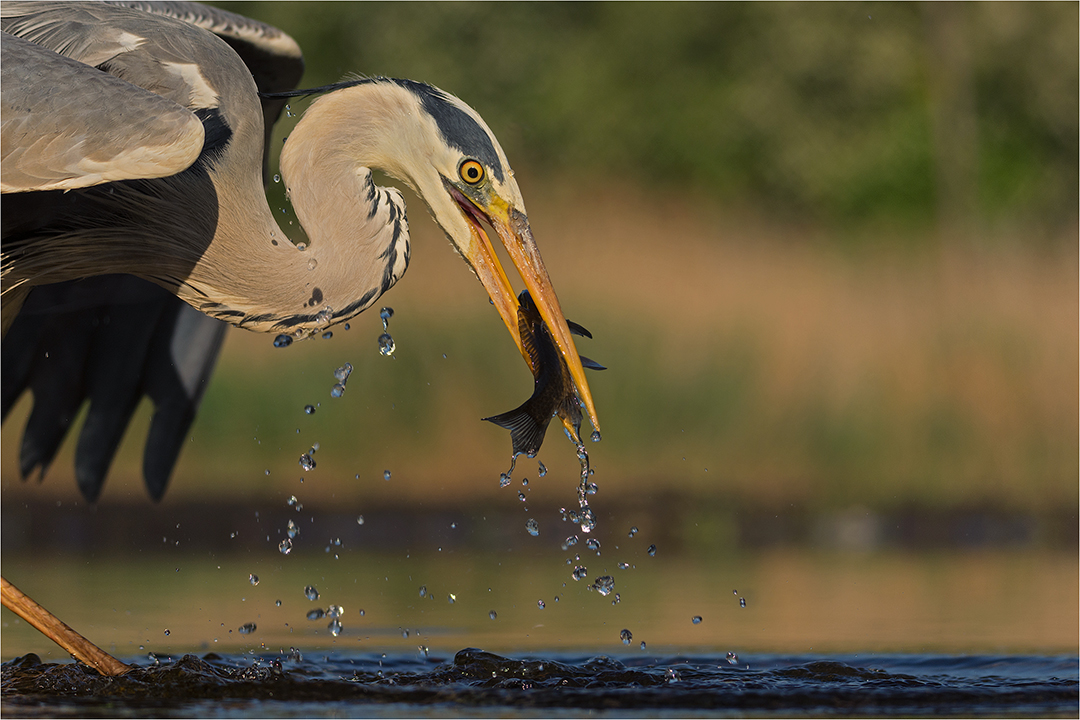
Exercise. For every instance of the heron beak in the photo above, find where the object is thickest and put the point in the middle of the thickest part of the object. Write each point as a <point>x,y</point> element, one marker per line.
<point>513,229</point>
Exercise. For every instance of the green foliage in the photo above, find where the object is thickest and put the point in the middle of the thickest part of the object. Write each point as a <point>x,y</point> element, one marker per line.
<point>836,113</point>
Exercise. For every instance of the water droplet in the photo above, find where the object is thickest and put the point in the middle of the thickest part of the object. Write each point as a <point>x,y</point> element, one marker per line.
<point>521,496</point>
<point>343,372</point>
<point>167,632</point>
<point>451,598</point>
<point>672,676</point>
<point>386,313</point>
<point>633,531</point>
<point>533,527</point>
<point>742,602</point>
<point>335,611</point>
<point>247,628</point>
<point>732,658</point>
<point>278,603</point>
<point>493,615</point>
<point>541,470</point>
<point>312,263</point>
<point>311,593</point>
<point>423,591</point>
<point>651,550</point>
<point>617,599</point>
<point>624,566</point>
<point>696,619</point>
<point>309,409</point>
<point>593,544</point>
<point>292,529</point>
<point>282,341</point>
<point>327,335</point>
<point>525,482</point>
<point>285,546</point>
<point>642,644</point>
<point>307,462</point>
<point>360,520</point>
<point>277,178</point>
<point>316,614</point>
<point>337,391</point>
<point>604,585</point>
<point>596,436</point>
<point>592,489</point>
<point>301,246</point>
<point>541,604</point>
<point>626,636</point>
<point>253,579</point>
<point>334,627</point>
<point>504,479</point>
<point>570,542</point>
<point>386,475</point>
<point>580,571</point>
<point>386,344</point>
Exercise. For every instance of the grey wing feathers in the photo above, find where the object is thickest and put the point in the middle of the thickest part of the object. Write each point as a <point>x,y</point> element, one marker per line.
<point>274,58</point>
<point>113,339</point>
<point>109,340</point>
<point>53,138</point>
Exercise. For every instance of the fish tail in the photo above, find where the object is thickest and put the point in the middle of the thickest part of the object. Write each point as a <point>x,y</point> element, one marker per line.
<point>526,434</point>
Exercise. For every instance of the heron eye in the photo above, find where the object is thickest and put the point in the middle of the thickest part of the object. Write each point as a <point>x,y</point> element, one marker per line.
<point>471,172</point>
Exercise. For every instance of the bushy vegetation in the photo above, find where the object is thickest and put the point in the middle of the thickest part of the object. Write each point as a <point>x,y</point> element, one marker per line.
<point>829,112</point>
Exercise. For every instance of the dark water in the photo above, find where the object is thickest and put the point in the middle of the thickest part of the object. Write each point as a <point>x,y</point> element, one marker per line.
<point>477,683</point>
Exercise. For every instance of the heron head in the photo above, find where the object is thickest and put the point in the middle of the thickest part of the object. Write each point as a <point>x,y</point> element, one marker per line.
<point>454,162</point>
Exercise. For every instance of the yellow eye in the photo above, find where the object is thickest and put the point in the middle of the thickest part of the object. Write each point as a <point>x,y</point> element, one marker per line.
<point>471,172</point>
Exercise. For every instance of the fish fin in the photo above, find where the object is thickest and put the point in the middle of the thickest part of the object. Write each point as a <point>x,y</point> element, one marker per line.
<point>526,434</point>
<point>590,364</point>
<point>578,330</point>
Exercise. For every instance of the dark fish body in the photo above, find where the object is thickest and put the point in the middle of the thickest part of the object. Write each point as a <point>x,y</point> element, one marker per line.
<point>553,392</point>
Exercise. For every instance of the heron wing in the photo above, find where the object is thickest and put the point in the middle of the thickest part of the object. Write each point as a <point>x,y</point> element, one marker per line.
<point>109,339</point>
<point>67,125</point>
<point>273,57</point>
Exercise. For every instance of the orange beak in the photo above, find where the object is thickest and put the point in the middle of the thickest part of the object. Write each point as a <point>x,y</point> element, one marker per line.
<point>513,229</point>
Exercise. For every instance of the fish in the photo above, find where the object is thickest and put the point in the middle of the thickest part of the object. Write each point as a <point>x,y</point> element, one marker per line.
<point>553,392</point>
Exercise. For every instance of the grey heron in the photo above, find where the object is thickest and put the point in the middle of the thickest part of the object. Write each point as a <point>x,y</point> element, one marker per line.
<point>135,220</point>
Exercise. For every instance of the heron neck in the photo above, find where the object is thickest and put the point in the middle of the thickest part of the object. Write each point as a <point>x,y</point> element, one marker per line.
<point>358,237</point>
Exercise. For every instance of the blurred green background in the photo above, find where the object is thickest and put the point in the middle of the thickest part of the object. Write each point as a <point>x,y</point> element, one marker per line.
<point>828,253</point>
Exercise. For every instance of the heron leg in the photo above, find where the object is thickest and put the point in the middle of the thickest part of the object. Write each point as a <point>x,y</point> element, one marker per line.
<point>56,630</point>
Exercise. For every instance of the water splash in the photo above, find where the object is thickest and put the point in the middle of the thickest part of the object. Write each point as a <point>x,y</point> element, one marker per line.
<point>342,376</point>
<point>386,343</point>
<point>604,585</point>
